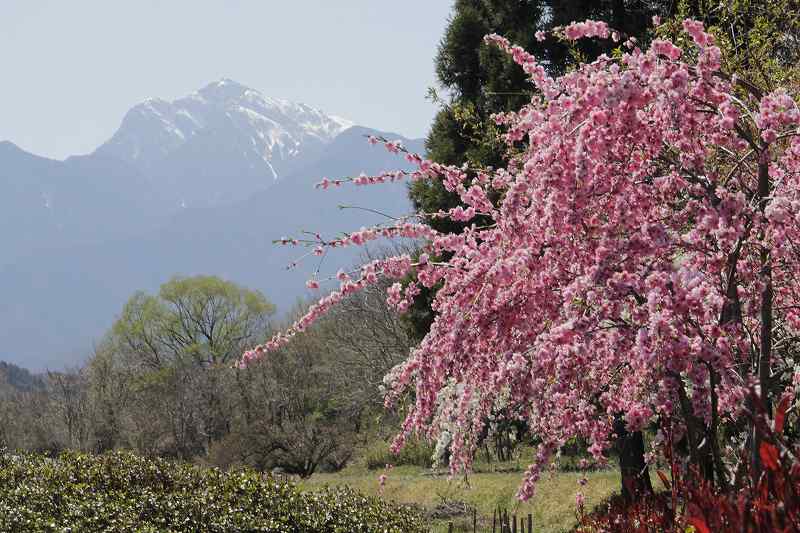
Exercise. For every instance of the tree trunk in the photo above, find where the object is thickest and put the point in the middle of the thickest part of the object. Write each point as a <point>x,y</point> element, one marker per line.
<point>634,473</point>
<point>765,347</point>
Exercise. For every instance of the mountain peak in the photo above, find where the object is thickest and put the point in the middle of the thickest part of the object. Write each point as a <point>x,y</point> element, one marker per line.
<point>224,89</point>
<point>196,143</point>
<point>156,128</point>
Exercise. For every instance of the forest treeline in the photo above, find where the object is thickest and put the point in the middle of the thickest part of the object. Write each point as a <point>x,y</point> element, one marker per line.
<point>164,382</point>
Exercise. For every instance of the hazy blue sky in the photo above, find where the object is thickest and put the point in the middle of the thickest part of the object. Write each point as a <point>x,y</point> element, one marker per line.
<point>71,69</point>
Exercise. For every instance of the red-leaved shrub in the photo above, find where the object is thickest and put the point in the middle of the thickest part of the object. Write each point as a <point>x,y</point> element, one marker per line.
<point>765,499</point>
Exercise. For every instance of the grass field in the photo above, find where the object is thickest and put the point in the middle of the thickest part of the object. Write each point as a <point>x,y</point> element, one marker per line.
<point>553,507</point>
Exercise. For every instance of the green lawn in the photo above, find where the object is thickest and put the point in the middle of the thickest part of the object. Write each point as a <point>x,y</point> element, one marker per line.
<point>553,507</point>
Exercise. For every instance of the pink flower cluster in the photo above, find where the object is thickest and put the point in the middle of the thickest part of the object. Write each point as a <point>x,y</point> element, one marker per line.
<point>392,267</point>
<point>666,49</point>
<point>363,179</point>
<point>776,111</point>
<point>697,32</point>
<point>710,56</point>
<point>623,271</point>
<point>588,28</point>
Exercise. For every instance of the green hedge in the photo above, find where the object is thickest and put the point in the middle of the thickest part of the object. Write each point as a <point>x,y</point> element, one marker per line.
<point>122,492</point>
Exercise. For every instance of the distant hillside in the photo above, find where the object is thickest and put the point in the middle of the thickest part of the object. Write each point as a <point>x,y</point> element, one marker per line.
<point>66,298</point>
<point>214,147</point>
<point>19,378</point>
<point>198,185</point>
<point>48,204</point>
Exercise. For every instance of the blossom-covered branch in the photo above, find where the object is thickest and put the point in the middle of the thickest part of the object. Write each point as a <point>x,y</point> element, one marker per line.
<point>642,249</point>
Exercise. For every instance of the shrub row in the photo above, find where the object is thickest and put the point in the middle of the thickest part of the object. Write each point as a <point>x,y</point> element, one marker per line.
<point>123,492</point>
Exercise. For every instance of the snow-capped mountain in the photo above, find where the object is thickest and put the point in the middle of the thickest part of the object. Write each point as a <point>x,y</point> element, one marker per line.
<point>221,143</point>
<point>215,147</point>
<point>79,236</point>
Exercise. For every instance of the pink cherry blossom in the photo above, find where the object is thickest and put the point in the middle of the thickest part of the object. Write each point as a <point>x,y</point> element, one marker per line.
<point>626,266</point>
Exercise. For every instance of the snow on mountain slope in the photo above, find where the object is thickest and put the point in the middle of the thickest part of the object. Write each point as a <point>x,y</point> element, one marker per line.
<point>272,129</point>
<point>217,146</point>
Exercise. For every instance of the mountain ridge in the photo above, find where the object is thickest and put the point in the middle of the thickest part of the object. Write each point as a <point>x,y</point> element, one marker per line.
<point>191,144</point>
<point>108,192</point>
<point>111,228</point>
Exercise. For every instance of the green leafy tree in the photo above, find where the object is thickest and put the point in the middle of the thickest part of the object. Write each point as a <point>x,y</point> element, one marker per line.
<point>760,40</point>
<point>203,320</point>
<point>308,406</point>
<point>181,344</point>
